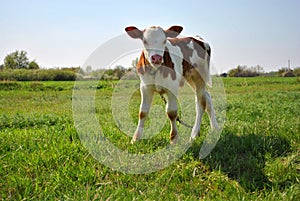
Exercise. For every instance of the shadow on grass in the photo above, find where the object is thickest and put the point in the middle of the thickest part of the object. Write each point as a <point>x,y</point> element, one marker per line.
<point>243,158</point>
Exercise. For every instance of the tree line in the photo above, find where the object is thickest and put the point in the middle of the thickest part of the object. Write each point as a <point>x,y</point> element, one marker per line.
<point>18,67</point>
<point>253,71</point>
<point>18,60</point>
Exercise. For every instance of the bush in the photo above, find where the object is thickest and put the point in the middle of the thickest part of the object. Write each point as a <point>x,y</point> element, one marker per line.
<point>38,75</point>
<point>244,71</point>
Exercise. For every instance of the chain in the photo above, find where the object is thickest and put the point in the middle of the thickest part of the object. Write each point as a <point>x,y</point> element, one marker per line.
<point>178,118</point>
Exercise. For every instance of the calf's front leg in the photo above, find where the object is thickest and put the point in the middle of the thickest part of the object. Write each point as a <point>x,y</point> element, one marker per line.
<point>146,100</point>
<point>171,110</point>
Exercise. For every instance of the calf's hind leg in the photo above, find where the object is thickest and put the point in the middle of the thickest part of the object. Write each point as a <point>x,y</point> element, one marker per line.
<point>200,104</point>
<point>203,103</point>
<point>211,112</point>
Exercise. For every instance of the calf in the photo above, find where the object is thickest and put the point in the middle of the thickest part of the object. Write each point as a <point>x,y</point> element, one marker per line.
<point>165,63</point>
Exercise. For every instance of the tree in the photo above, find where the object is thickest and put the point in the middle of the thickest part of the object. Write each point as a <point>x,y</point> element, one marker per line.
<point>16,60</point>
<point>33,65</point>
<point>259,69</point>
<point>89,69</point>
<point>244,71</point>
<point>119,71</point>
<point>282,71</point>
<point>236,72</point>
<point>297,71</point>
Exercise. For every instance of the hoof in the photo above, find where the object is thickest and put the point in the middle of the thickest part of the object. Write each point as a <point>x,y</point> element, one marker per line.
<point>194,134</point>
<point>174,140</point>
<point>137,135</point>
<point>133,140</point>
<point>192,139</point>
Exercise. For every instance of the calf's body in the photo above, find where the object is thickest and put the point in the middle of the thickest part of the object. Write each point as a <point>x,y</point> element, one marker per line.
<point>166,62</point>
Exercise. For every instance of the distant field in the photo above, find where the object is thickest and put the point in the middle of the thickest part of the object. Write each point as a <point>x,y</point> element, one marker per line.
<point>256,158</point>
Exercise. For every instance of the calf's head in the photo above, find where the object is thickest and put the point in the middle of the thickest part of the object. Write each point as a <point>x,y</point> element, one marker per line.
<point>154,40</point>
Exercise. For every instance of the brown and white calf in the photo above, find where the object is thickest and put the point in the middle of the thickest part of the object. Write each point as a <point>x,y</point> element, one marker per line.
<point>165,63</point>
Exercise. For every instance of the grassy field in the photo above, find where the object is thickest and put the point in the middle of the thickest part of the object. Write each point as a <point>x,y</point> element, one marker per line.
<point>256,158</point>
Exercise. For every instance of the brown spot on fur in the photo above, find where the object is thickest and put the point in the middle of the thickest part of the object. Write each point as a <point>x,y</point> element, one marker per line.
<point>143,66</point>
<point>142,115</point>
<point>168,66</point>
<point>187,52</point>
<point>172,115</point>
<point>173,134</point>
<point>200,48</point>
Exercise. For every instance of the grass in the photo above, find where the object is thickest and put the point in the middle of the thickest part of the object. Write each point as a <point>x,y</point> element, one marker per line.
<point>256,158</point>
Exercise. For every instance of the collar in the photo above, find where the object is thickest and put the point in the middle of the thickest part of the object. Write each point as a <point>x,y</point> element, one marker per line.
<point>153,71</point>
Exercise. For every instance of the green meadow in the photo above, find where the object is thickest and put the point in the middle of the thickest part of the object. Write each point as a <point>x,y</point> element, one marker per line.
<point>256,158</point>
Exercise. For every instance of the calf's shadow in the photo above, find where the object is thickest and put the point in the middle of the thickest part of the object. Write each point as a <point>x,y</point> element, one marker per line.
<point>243,158</point>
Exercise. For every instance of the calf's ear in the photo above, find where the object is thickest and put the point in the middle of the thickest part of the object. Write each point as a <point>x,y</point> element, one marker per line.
<point>134,32</point>
<point>173,31</point>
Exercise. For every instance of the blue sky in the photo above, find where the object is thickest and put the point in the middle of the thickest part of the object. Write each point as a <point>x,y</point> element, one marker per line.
<point>65,32</point>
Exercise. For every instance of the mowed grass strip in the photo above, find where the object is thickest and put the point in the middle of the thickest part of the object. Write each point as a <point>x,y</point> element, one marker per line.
<point>256,158</point>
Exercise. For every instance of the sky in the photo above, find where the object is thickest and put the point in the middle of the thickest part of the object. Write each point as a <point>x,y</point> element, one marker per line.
<point>63,33</point>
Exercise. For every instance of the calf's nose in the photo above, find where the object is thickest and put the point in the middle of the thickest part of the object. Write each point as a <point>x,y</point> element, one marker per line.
<point>156,59</point>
